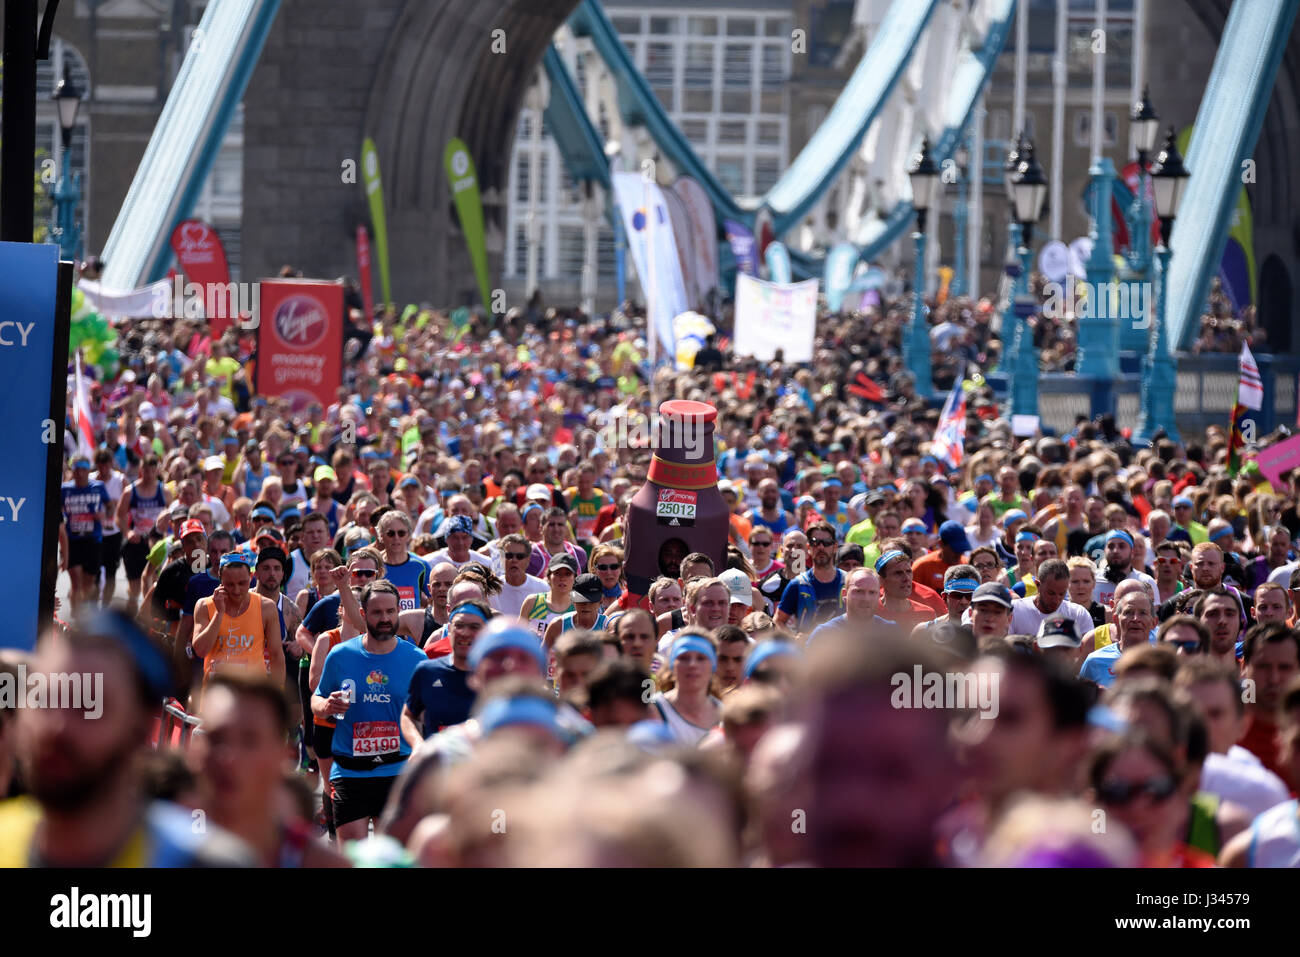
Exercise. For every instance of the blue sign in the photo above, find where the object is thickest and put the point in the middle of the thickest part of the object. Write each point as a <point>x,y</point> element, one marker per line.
<point>840,263</point>
<point>28,304</point>
<point>777,258</point>
<point>742,246</point>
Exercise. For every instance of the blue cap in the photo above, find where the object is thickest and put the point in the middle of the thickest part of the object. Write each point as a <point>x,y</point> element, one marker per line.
<point>888,557</point>
<point>1015,515</point>
<point>263,511</point>
<point>832,482</point>
<point>1121,535</point>
<point>409,481</point>
<point>526,709</point>
<point>459,523</point>
<point>694,643</point>
<point>769,649</point>
<point>1183,500</point>
<point>506,635</point>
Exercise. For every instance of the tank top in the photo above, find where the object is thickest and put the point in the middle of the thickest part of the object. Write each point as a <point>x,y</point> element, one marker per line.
<point>684,731</point>
<point>430,626</point>
<point>1275,837</point>
<point>541,615</point>
<point>335,635</point>
<point>144,511</point>
<point>242,642</point>
<point>776,527</point>
<point>253,481</point>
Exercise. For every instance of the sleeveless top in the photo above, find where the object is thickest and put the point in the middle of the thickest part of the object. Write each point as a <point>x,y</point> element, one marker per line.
<point>430,626</point>
<point>541,616</point>
<point>335,635</point>
<point>684,731</point>
<point>253,481</point>
<point>144,511</point>
<point>1275,837</point>
<point>242,642</point>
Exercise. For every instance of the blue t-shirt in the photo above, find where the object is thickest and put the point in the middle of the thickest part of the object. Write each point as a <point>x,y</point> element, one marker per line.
<point>411,579</point>
<point>81,508</point>
<point>439,694</point>
<point>323,615</point>
<point>1099,666</point>
<point>199,586</point>
<point>371,727</point>
<point>826,595</point>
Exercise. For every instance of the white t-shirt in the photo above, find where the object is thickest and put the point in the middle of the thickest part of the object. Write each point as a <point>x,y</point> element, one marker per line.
<point>1238,776</point>
<point>512,597</point>
<point>1104,591</point>
<point>220,514</point>
<point>113,486</point>
<point>1278,576</point>
<point>300,576</point>
<point>1026,616</point>
<point>975,539</point>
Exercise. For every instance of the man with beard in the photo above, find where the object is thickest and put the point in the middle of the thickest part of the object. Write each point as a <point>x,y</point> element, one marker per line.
<point>362,687</point>
<point>1270,661</point>
<point>769,512</point>
<point>814,597</point>
<point>85,806</point>
<point>1220,611</point>
<point>1117,567</point>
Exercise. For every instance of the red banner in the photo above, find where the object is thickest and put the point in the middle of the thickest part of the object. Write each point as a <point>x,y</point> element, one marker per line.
<point>300,340</point>
<point>363,270</point>
<point>199,251</point>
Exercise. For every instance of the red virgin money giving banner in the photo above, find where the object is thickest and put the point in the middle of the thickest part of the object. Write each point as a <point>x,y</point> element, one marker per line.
<point>300,340</point>
<point>202,258</point>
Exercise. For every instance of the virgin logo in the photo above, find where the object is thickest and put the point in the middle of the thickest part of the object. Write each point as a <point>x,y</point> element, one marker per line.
<point>195,237</point>
<point>301,322</point>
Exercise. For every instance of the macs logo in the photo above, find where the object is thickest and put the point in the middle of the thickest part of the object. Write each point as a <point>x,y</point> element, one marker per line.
<point>300,322</point>
<point>376,678</point>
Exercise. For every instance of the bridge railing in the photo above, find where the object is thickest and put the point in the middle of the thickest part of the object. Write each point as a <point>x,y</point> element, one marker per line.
<point>1207,389</point>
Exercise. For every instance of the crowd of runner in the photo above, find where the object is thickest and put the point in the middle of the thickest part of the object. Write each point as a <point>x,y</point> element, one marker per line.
<point>419,592</point>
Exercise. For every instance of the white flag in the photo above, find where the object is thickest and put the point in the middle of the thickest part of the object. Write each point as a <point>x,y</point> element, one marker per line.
<point>1250,391</point>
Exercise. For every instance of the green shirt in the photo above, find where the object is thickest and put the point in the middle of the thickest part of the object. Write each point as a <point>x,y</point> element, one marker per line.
<point>223,368</point>
<point>863,533</point>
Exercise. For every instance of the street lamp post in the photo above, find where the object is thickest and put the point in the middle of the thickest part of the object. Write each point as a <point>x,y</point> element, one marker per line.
<point>1029,192</point>
<point>67,191</point>
<point>961,157</point>
<point>1160,375</point>
<point>924,175</point>
<point>1010,328</point>
<point>1145,124</point>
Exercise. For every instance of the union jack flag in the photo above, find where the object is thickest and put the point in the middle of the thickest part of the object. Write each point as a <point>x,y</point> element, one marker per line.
<point>949,443</point>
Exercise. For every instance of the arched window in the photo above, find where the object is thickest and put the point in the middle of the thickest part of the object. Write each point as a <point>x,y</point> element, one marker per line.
<point>49,139</point>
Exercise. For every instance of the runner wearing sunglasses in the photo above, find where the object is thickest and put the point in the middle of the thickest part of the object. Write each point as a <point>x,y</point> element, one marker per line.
<point>410,575</point>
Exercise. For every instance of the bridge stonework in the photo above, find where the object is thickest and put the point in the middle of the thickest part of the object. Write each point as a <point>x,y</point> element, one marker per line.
<point>332,74</point>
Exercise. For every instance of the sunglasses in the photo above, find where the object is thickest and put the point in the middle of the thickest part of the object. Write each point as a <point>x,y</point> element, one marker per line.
<point>364,573</point>
<point>1166,561</point>
<point>517,556</point>
<point>608,568</point>
<point>395,533</point>
<point>760,544</point>
<point>1122,793</point>
<point>261,518</point>
<point>1187,647</point>
<point>284,462</point>
<point>821,542</point>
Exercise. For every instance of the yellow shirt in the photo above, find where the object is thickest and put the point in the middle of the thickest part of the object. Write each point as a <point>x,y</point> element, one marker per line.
<point>19,819</point>
<point>223,368</point>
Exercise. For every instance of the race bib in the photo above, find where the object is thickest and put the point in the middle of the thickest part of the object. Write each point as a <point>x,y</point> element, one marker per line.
<point>675,507</point>
<point>406,598</point>
<point>82,523</point>
<point>375,738</point>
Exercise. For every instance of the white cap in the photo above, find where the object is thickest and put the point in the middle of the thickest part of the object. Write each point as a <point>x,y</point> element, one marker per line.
<point>538,491</point>
<point>739,585</point>
<point>213,462</point>
<point>147,411</point>
<point>128,375</point>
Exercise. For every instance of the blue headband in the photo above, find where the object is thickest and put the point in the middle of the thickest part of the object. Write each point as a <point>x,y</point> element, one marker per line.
<point>81,463</point>
<point>984,477</point>
<point>695,643</point>
<point>1026,537</point>
<point>886,558</point>
<point>1121,535</point>
<point>961,584</point>
<point>1221,533</point>
<point>769,649</point>
<point>529,509</point>
<point>508,638</point>
<point>235,558</point>
<point>504,712</point>
<point>466,609</point>
<point>460,523</point>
